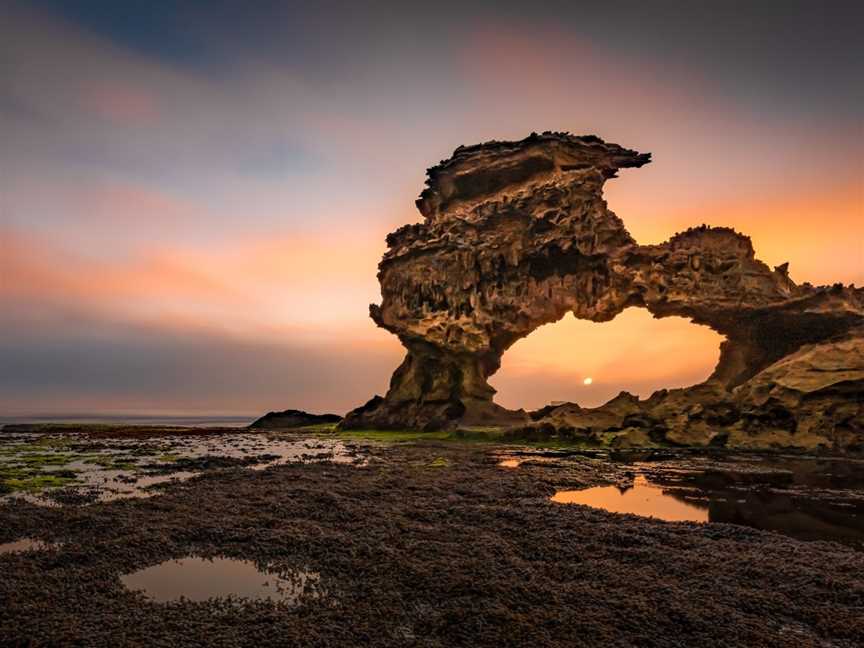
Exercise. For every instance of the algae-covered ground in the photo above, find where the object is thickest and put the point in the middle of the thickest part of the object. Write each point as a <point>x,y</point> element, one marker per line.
<point>49,463</point>
<point>414,540</point>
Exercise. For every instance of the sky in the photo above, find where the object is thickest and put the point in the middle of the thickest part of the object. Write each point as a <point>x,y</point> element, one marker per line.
<point>194,195</point>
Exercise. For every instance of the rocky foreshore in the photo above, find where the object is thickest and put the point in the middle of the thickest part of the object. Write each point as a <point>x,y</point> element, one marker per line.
<point>426,545</point>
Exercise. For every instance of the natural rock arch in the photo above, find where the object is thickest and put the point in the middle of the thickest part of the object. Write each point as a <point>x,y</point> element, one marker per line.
<point>634,351</point>
<point>517,234</point>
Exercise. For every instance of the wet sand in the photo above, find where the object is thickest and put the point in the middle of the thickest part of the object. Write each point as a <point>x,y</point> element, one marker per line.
<point>422,544</point>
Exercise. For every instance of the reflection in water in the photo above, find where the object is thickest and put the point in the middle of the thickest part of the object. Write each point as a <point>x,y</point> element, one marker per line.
<point>509,463</point>
<point>25,544</point>
<point>199,579</point>
<point>804,498</point>
<point>800,517</point>
<point>642,498</point>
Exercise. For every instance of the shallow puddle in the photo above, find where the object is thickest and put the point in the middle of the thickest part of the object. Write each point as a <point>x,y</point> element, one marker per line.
<point>509,463</point>
<point>642,498</point>
<point>200,579</point>
<point>120,485</point>
<point>25,544</point>
<point>803,497</point>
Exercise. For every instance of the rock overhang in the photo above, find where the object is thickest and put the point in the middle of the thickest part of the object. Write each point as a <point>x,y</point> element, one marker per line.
<point>491,168</point>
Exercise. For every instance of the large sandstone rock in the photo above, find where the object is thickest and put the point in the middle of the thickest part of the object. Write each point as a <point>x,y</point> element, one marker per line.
<point>517,234</point>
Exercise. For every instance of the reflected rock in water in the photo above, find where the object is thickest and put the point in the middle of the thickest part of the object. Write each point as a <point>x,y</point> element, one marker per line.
<point>642,498</point>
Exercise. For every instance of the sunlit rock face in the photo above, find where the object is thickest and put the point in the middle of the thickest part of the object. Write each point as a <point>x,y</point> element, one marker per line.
<point>517,234</point>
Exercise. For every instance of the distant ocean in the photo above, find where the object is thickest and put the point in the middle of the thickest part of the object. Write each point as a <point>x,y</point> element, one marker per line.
<point>134,419</point>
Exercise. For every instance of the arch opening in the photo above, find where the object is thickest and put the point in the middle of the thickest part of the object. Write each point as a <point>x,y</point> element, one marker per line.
<point>589,363</point>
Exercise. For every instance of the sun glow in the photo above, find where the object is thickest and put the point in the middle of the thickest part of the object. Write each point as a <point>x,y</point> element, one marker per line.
<point>634,352</point>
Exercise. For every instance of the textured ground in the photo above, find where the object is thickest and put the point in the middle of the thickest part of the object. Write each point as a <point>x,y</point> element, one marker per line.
<point>430,545</point>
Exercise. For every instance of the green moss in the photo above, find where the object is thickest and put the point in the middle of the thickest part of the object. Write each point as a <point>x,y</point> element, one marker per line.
<point>167,458</point>
<point>26,470</point>
<point>56,442</point>
<point>36,459</point>
<point>560,444</point>
<point>478,434</point>
<point>319,427</point>
<point>46,442</point>
<point>462,435</point>
<point>439,462</point>
<point>35,482</point>
<point>393,436</point>
<point>15,450</point>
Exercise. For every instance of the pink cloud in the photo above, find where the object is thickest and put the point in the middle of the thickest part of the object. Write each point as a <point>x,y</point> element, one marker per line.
<point>128,202</point>
<point>122,104</point>
<point>270,286</point>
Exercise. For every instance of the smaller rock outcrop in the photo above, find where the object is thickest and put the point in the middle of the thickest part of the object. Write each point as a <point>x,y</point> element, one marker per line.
<point>811,400</point>
<point>288,419</point>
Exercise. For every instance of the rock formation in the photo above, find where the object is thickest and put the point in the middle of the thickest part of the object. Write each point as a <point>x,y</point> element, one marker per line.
<point>292,419</point>
<point>517,234</point>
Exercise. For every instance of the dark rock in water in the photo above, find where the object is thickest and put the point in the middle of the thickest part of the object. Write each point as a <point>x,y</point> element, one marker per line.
<point>293,419</point>
<point>517,234</point>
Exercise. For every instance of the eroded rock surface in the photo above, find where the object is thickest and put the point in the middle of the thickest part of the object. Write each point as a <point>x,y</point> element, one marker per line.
<point>517,234</point>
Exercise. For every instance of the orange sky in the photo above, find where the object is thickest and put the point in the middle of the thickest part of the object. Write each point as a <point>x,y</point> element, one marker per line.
<point>634,353</point>
<point>158,220</point>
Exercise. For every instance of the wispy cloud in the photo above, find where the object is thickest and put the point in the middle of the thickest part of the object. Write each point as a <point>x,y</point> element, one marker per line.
<point>95,364</point>
<point>273,286</point>
<point>122,103</point>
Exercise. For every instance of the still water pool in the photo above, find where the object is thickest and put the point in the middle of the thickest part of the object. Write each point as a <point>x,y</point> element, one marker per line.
<point>198,579</point>
<point>642,498</point>
<point>809,498</point>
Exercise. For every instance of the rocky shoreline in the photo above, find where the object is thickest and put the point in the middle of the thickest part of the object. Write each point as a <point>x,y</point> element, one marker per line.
<point>429,544</point>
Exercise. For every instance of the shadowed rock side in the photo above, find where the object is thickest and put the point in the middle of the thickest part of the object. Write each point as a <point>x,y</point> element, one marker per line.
<point>517,234</point>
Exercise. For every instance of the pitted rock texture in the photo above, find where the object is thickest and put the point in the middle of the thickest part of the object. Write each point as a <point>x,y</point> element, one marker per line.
<point>517,234</point>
